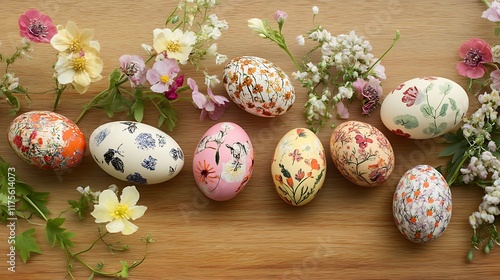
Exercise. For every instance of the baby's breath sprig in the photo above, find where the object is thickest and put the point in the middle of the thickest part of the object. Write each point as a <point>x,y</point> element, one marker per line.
<point>347,69</point>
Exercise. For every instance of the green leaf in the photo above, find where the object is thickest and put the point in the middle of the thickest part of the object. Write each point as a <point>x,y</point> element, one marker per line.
<point>429,87</point>
<point>452,149</point>
<point>497,31</point>
<point>453,103</point>
<point>26,244</point>
<point>284,171</point>
<point>443,110</point>
<point>80,207</point>
<point>137,108</point>
<point>55,233</point>
<point>427,110</point>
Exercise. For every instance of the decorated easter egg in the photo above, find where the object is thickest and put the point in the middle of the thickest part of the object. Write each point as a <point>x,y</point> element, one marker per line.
<point>223,161</point>
<point>258,86</point>
<point>424,108</point>
<point>47,140</point>
<point>362,153</point>
<point>422,204</point>
<point>299,166</point>
<point>136,152</point>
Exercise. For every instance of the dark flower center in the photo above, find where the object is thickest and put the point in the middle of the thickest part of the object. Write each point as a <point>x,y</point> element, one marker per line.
<point>370,93</point>
<point>131,68</point>
<point>37,28</point>
<point>473,57</point>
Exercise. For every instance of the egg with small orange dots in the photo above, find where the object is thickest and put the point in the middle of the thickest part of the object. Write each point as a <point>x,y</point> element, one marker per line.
<point>422,204</point>
<point>47,140</point>
<point>258,86</point>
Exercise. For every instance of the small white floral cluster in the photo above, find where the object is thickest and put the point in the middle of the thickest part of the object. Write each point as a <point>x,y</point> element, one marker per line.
<point>347,69</point>
<point>93,196</point>
<point>350,55</point>
<point>488,209</point>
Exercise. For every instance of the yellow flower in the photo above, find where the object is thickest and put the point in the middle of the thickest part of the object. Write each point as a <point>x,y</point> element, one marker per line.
<point>177,44</point>
<point>118,213</point>
<point>72,39</point>
<point>79,69</point>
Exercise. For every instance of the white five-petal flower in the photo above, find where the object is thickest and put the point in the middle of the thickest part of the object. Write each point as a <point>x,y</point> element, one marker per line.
<point>176,44</point>
<point>117,213</point>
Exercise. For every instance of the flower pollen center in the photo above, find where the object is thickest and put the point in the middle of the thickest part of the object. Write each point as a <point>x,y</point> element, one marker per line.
<point>370,93</point>
<point>76,45</point>
<point>131,69</point>
<point>120,211</point>
<point>473,57</point>
<point>164,79</point>
<point>173,46</point>
<point>79,63</point>
<point>37,29</point>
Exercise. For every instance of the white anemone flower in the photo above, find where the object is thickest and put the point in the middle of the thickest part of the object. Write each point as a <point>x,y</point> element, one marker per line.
<point>79,69</point>
<point>177,44</point>
<point>118,213</point>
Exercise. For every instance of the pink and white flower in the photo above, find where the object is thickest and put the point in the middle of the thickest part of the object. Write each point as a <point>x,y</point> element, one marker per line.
<point>134,67</point>
<point>162,75</point>
<point>213,105</point>
<point>474,54</point>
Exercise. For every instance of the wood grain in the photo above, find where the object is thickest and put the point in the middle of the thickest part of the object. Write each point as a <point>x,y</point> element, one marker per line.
<point>346,232</point>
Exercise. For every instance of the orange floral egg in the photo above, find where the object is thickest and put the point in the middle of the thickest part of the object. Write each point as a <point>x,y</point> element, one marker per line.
<point>47,140</point>
<point>258,86</point>
<point>422,204</point>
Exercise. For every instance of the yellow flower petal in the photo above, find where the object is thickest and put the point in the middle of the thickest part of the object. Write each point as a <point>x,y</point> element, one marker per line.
<point>115,225</point>
<point>128,227</point>
<point>136,212</point>
<point>129,196</point>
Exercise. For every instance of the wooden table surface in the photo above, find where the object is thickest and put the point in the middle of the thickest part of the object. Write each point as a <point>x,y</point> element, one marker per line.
<point>346,232</point>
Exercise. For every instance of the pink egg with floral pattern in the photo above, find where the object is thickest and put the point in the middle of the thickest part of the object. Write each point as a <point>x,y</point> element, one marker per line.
<point>223,161</point>
<point>422,204</point>
<point>258,86</point>
<point>362,153</point>
<point>47,140</point>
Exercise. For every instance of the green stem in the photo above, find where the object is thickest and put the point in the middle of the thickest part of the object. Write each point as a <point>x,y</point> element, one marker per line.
<point>488,4</point>
<point>35,206</point>
<point>59,90</point>
<point>398,35</point>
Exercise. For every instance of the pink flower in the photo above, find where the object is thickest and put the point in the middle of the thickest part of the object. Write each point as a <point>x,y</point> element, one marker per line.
<point>162,75</point>
<point>213,106</point>
<point>493,12</point>
<point>134,67</point>
<point>36,26</point>
<point>495,80</point>
<point>280,16</point>
<point>411,96</point>
<point>172,94</point>
<point>342,111</point>
<point>474,53</point>
<point>369,92</point>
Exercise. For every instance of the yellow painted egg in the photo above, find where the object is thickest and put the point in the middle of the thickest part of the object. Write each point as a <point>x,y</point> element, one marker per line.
<point>299,166</point>
<point>47,140</point>
<point>362,153</point>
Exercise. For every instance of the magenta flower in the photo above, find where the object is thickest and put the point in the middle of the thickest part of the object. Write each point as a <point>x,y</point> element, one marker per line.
<point>495,80</point>
<point>213,105</point>
<point>163,74</point>
<point>134,67</point>
<point>36,26</point>
<point>474,54</point>
<point>369,92</point>
<point>493,12</point>
<point>172,94</point>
